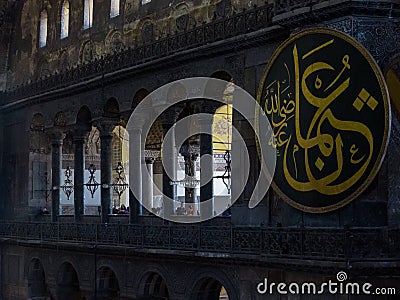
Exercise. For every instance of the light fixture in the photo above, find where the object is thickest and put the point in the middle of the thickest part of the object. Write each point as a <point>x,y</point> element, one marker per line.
<point>68,187</point>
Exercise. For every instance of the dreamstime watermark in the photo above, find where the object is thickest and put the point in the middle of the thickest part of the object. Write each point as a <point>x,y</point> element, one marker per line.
<point>333,287</point>
<point>163,103</point>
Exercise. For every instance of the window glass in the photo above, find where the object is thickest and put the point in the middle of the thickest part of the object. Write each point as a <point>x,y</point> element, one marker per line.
<point>114,11</point>
<point>43,29</point>
<point>88,14</point>
<point>65,19</point>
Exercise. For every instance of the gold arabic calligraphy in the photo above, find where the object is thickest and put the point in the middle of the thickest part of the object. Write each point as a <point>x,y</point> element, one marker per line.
<point>283,104</point>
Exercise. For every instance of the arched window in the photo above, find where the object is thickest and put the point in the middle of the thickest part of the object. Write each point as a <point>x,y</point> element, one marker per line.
<point>88,14</point>
<point>43,29</point>
<point>64,19</point>
<point>114,11</point>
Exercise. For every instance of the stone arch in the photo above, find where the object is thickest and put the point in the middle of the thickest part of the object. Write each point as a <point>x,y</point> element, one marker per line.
<point>177,91</point>
<point>153,286</point>
<point>107,284</point>
<point>37,288</point>
<point>111,109</point>
<point>139,96</point>
<point>68,282</point>
<point>210,285</point>
<point>84,115</point>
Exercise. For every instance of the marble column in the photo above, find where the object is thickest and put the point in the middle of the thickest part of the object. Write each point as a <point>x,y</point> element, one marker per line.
<point>169,190</point>
<point>206,171</point>
<point>80,135</point>
<point>106,128</point>
<point>135,172</point>
<point>56,137</point>
<point>190,171</point>
<point>148,184</point>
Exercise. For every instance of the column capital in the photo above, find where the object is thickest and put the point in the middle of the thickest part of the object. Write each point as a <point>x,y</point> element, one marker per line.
<point>106,126</point>
<point>81,132</point>
<point>151,155</point>
<point>189,150</point>
<point>56,134</point>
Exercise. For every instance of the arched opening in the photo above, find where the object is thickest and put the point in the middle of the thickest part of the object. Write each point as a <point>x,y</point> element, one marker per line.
<point>68,283</point>
<point>139,96</point>
<point>209,288</point>
<point>153,286</point>
<point>107,284</point>
<point>111,108</point>
<point>37,288</point>
<point>43,28</point>
<point>65,19</point>
<point>84,115</point>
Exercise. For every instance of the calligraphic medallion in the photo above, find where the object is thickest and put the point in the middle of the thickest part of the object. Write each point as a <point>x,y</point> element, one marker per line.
<point>327,103</point>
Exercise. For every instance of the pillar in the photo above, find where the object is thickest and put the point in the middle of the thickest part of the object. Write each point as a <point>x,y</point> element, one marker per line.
<point>190,170</point>
<point>135,171</point>
<point>79,169</point>
<point>206,166</point>
<point>169,191</point>
<point>106,128</point>
<point>148,183</point>
<point>56,137</point>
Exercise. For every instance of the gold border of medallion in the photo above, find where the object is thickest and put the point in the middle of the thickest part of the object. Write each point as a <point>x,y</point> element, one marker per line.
<point>385,94</point>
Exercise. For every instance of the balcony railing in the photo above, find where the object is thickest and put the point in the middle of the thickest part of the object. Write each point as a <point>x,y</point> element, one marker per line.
<point>306,243</point>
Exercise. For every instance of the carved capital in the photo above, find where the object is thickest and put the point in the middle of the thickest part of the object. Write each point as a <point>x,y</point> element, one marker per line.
<point>56,135</point>
<point>106,127</point>
<point>81,132</point>
<point>151,155</point>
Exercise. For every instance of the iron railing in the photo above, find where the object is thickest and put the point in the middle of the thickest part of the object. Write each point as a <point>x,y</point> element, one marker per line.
<point>305,243</point>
